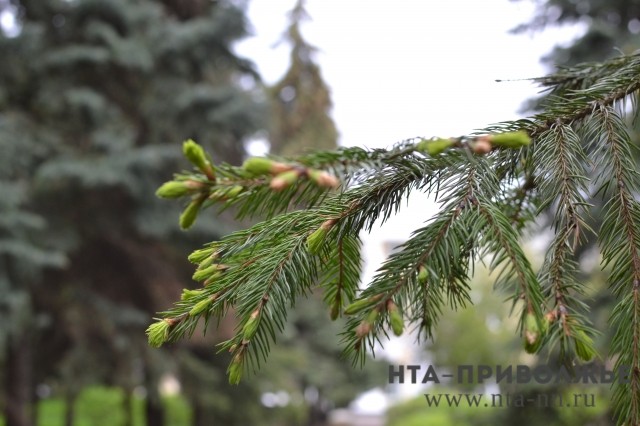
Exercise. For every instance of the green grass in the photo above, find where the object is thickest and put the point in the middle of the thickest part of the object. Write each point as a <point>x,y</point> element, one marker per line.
<point>102,406</point>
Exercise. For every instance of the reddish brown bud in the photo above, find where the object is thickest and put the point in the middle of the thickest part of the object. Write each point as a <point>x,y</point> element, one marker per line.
<point>482,145</point>
<point>363,329</point>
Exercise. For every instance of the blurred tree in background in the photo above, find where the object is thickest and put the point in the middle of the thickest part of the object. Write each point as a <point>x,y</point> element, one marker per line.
<point>611,27</point>
<point>300,121</point>
<point>94,99</point>
<point>300,101</point>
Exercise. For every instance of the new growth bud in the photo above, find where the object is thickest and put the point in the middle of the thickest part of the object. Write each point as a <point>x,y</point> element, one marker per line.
<point>284,180</point>
<point>532,335</point>
<point>209,272</point>
<point>434,147</point>
<point>373,316</point>
<point>511,140</point>
<point>362,304</point>
<point>235,370</point>
<point>482,145</point>
<point>366,325</point>
<point>206,262</point>
<point>584,346</point>
<point>233,192</point>
<point>225,194</point>
<point>251,326</point>
<point>324,179</point>
<point>363,329</point>
<point>189,215</point>
<point>200,307</point>
<point>190,294</point>
<point>316,239</point>
<point>196,155</point>
<point>201,254</point>
<point>178,188</point>
<point>423,275</point>
<point>158,333</point>
<point>395,318</point>
<point>258,166</point>
<point>212,277</point>
<point>202,274</point>
<point>548,319</point>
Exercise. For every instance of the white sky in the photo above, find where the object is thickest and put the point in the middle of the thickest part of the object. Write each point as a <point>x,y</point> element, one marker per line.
<point>410,67</point>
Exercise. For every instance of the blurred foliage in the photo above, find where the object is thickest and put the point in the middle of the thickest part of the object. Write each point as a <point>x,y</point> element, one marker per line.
<point>417,411</point>
<point>611,27</point>
<point>480,334</point>
<point>101,406</point>
<point>95,97</point>
<point>300,101</point>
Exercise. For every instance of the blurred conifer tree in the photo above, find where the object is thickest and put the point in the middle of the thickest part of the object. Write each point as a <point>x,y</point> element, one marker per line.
<point>300,101</point>
<point>95,97</point>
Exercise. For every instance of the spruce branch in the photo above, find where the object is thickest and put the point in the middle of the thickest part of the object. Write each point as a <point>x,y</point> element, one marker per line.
<point>620,244</point>
<point>341,274</point>
<point>582,76</point>
<point>506,249</point>
<point>279,247</point>
<point>519,204</point>
<point>573,106</point>
<point>562,183</point>
<point>490,185</point>
<point>434,248</point>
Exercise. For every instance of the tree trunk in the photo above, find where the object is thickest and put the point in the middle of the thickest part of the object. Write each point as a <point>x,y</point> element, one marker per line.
<point>317,416</point>
<point>199,415</point>
<point>18,381</point>
<point>153,404</point>
<point>69,407</point>
<point>127,406</point>
<point>154,411</point>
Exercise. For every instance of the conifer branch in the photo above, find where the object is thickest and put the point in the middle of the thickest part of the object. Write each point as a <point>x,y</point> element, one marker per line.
<point>505,247</point>
<point>432,248</point>
<point>582,76</point>
<point>490,185</point>
<point>573,106</point>
<point>518,202</point>
<point>620,241</point>
<point>341,274</point>
<point>562,183</point>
